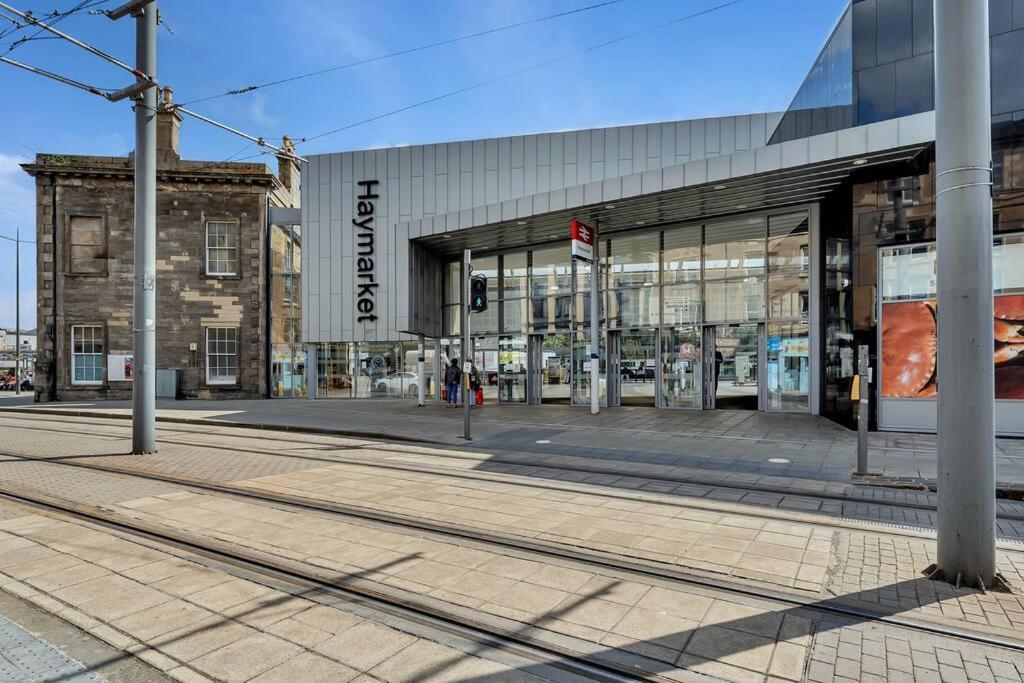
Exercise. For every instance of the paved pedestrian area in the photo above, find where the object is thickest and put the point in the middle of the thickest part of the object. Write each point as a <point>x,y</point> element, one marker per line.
<point>198,621</point>
<point>725,441</point>
<point>24,658</point>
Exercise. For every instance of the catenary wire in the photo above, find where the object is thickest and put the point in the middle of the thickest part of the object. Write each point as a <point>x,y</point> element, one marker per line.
<point>517,72</point>
<point>406,51</point>
<point>57,17</point>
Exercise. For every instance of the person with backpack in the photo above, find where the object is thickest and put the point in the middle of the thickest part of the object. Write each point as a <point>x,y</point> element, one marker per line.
<point>475,392</point>
<point>452,379</point>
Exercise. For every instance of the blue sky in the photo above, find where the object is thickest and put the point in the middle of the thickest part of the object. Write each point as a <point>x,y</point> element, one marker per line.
<point>744,58</point>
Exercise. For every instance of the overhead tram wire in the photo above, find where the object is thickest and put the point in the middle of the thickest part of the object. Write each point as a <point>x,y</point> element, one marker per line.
<point>406,51</point>
<point>56,17</point>
<point>517,72</point>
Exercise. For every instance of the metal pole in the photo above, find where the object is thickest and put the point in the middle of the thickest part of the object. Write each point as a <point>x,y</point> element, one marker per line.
<point>595,329</point>
<point>963,156</point>
<point>17,311</point>
<point>862,410</point>
<point>144,313</point>
<point>466,272</point>
<point>421,372</point>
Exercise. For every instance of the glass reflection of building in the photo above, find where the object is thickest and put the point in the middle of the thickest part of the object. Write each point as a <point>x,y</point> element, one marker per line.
<point>287,353</point>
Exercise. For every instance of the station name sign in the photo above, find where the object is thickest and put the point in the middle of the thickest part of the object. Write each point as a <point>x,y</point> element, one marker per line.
<point>582,241</point>
<point>366,278</point>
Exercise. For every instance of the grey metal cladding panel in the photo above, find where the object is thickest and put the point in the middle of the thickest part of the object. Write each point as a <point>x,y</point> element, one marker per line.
<point>544,149</point>
<point>728,135</point>
<point>465,189</point>
<point>543,178</point>
<point>417,197</point>
<point>682,138</point>
<point>453,176</point>
<point>668,144</point>
<point>417,160</point>
<point>479,172</point>
<point>391,161</point>
<point>758,130</point>
<point>742,133</point>
<point>712,136</point>
<point>516,144</point>
<point>697,140</point>
<point>583,157</point>
<point>430,178</point>
<point>336,228</point>
<point>598,141</point>
<point>653,134</point>
<point>639,152</point>
<point>405,183</point>
<point>465,155</point>
<point>773,121</point>
<point>570,147</point>
<point>530,164</point>
<point>441,158</point>
<point>504,169</point>
<point>557,161</point>
<point>610,154</point>
<point>491,154</point>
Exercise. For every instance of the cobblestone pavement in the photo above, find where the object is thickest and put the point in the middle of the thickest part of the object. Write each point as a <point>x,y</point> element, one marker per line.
<point>723,440</point>
<point>688,629</point>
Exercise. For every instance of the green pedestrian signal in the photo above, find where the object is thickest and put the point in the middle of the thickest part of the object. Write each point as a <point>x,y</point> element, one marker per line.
<point>478,294</point>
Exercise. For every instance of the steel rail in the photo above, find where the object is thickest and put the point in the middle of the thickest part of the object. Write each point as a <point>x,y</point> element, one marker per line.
<point>491,636</point>
<point>581,469</point>
<point>618,563</point>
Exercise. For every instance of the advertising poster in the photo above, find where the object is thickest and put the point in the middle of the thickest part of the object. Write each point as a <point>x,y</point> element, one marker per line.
<point>909,348</point>
<point>120,368</point>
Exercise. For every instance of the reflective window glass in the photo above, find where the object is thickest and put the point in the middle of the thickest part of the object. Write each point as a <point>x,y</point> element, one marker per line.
<point>633,261</point>
<point>550,313</point>
<point>734,300</point>
<point>894,30</point>
<point>914,85</point>
<point>788,243</point>
<point>453,283</point>
<point>488,267</point>
<point>789,367</point>
<point>1007,83</point>
<point>513,275</point>
<point>636,307</point>
<point>681,304</point>
<point>681,256</point>
<point>515,314</point>
<point>680,367</point>
<point>1007,260</point>
<point>551,271</point>
<point>876,94</point>
<point>908,272</point>
<point>787,296</point>
<point>734,248</point>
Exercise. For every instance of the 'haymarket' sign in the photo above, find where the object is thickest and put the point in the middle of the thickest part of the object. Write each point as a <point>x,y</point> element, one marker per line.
<point>366,285</point>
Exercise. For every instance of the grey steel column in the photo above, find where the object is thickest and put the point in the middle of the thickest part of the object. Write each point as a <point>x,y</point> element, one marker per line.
<point>963,151</point>
<point>17,311</point>
<point>467,269</point>
<point>862,409</point>
<point>144,309</point>
<point>595,329</point>
<point>421,371</point>
<point>312,370</point>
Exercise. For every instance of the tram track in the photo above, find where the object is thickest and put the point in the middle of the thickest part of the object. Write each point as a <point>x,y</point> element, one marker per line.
<point>524,643</point>
<point>576,469</point>
<point>628,567</point>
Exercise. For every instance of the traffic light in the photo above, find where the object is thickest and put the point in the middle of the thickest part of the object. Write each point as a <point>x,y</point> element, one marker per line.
<point>478,293</point>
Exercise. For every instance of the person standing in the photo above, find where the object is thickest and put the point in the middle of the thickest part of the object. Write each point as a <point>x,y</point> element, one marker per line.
<point>474,385</point>
<point>452,379</point>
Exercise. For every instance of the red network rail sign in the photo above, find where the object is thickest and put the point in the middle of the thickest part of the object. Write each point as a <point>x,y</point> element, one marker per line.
<point>583,238</point>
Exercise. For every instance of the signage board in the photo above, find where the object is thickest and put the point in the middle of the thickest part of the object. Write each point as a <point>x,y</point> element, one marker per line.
<point>120,367</point>
<point>583,238</point>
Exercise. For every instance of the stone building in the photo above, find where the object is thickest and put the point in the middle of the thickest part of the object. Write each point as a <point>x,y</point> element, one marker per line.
<point>213,271</point>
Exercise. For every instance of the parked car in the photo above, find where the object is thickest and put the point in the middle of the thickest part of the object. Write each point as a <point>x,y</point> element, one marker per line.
<point>397,384</point>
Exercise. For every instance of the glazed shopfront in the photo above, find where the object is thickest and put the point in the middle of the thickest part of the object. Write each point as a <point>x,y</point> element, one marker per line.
<point>694,316</point>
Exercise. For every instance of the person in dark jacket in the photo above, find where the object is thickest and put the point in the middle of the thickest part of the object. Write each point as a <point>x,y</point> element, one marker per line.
<point>452,379</point>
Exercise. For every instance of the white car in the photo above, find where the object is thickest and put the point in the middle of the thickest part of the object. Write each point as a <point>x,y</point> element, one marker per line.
<point>397,384</point>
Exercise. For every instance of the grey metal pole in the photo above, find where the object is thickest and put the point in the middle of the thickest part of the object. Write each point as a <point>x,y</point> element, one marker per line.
<point>144,313</point>
<point>17,311</point>
<point>862,410</point>
<point>467,268</point>
<point>963,155</point>
<point>421,371</point>
<point>595,329</point>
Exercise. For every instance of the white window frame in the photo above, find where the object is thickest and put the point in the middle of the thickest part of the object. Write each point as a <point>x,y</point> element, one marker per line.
<point>233,271</point>
<point>97,336</point>
<point>220,379</point>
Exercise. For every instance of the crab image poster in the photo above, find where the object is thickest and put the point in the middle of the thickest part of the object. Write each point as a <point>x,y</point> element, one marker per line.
<point>909,348</point>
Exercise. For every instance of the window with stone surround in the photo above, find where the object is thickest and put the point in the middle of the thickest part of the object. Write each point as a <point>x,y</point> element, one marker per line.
<point>221,355</point>
<point>86,354</point>
<point>221,248</point>
<point>87,245</point>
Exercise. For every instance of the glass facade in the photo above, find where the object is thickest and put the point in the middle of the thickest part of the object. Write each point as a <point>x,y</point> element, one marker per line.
<point>287,353</point>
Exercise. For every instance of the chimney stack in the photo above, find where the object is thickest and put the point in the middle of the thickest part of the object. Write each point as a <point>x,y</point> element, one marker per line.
<point>168,128</point>
<point>288,169</point>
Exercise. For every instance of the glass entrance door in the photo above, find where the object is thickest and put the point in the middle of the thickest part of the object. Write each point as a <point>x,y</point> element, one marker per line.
<point>638,353</point>
<point>736,367</point>
<point>681,367</point>
<point>512,363</point>
<point>555,369</point>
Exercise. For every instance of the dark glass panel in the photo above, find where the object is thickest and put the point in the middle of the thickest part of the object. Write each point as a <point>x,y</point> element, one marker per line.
<point>894,27</point>
<point>1000,16</point>
<point>923,27</point>
<point>1007,83</point>
<point>914,85</point>
<point>877,94</point>
<point>864,34</point>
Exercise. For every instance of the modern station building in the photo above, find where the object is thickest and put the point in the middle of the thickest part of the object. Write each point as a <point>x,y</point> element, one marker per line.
<point>743,259</point>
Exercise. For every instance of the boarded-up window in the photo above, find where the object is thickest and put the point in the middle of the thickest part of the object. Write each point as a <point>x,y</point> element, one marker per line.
<point>87,245</point>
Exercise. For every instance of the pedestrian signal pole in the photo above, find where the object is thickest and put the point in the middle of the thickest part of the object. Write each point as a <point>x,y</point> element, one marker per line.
<point>467,270</point>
